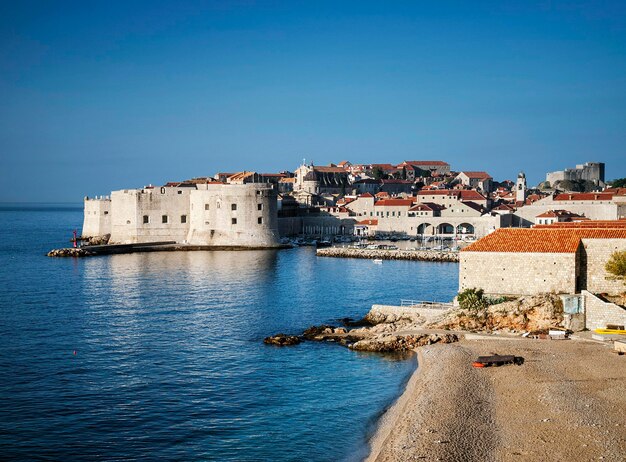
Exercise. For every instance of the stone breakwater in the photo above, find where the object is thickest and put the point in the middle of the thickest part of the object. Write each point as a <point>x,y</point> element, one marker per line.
<point>71,252</point>
<point>372,254</point>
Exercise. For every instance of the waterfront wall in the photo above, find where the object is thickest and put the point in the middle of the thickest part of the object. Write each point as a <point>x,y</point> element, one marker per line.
<point>234,215</point>
<point>201,215</point>
<point>416,313</point>
<point>504,273</point>
<point>97,217</point>
<point>149,215</point>
<point>417,255</point>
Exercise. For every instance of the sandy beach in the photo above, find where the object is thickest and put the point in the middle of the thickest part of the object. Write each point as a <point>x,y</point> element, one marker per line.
<point>566,402</point>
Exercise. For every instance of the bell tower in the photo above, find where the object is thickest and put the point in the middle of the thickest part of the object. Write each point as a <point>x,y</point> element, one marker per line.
<point>520,188</point>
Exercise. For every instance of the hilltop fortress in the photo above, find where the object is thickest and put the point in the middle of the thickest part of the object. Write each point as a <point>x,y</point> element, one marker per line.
<point>198,213</point>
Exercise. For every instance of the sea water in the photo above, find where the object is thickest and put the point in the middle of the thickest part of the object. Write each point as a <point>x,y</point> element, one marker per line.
<point>161,355</point>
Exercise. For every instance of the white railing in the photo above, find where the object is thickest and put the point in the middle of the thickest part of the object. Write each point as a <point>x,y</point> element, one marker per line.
<point>426,304</point>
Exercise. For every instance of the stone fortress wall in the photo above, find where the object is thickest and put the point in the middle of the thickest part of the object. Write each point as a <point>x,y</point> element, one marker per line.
<point>589,171</point>
<point>204,214</point>
<point>240,215</point>
<point>97,216</point>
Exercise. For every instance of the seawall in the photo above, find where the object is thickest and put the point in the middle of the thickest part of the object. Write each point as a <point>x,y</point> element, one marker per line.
<point>417,255</point>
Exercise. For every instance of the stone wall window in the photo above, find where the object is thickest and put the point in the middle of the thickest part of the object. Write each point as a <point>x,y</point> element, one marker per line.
<point>162,190</point>
<point>233,207</point>
<point>206,206</point>
<point>233,221</point>
<point>164,219</point>
<point>260,220</point>
<point>146,219</point>
<point>106,212</point>
<point>183,218</point>
<point>259,206</point>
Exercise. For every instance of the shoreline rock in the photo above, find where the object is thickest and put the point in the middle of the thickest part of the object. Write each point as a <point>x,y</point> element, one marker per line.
<point>282,340</point>
<point>70,252</point>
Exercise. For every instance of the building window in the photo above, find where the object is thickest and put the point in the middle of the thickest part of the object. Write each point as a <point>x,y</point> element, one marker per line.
<point>233,207</point>
<point>146,219</point>
<point>259,206</point>
<point>164,219</point>
<point>180,192</point>
<point>206,206</point>
<point>233,221</point>
<point>183,218</point>
<point>162,190</point>
<point>106,212</point>
<point>260,220</point>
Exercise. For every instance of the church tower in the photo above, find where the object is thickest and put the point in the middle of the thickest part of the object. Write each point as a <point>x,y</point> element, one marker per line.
<point>520,188</point>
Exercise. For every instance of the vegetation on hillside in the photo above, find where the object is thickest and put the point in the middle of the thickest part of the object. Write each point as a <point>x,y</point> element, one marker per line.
<point>618,183</point>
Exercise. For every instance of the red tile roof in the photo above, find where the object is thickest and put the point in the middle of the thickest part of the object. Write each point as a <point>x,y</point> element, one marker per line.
<point>476,175</point>
<point>584,197</point>
<point>394,202</point>
<point>599,224</point>
<point>540,240</point>
<point>426,162</point>
<point>328,169</point>
<point>463,194</point>
<point>366,195</point>
<point>368,222</point>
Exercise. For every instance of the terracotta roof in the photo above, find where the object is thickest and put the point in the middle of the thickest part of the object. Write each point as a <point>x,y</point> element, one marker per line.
<point>394,202</point>
<point>240,176</point>
<point>382,194</point>
<point>366,195</point>
<point>427,206</point>
<point>426,162</point>
<point>540,240</point>
<point>328,169</point>
<point>558,213</point>
<point>476,175</point>
<point>584,197</point>
<point>464,194</point>
<point>599,224</point>
<point>368,222</point>
<point>503,207</point>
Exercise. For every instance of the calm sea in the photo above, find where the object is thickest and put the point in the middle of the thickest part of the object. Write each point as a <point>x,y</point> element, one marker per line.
<point>160,355</point>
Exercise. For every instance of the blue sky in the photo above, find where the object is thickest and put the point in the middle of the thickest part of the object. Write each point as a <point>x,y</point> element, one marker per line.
<point>102,96</point>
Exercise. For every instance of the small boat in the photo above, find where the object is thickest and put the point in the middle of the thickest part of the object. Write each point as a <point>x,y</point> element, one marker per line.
<point>377,261</point>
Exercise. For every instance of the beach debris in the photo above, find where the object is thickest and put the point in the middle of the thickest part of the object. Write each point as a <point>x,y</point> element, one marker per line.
<point>497,360</point>
<point>282,340</point>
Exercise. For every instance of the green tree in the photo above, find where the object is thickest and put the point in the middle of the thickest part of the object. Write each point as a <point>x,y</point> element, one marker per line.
<point>378,173</point>
<point>472,300</point>
<point>617,265</point>
<point>619,183</point>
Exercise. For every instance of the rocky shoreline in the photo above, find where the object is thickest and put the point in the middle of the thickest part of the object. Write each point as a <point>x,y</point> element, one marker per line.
<point>372,254</point>
<point>375,333</point>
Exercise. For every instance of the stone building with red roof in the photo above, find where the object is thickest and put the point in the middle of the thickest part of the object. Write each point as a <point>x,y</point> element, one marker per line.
<point>528,261</point>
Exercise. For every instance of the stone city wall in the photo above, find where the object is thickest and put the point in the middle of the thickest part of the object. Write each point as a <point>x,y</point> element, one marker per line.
<point>595,254</point>
<point>599,313</point>
<point>505,273</point>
